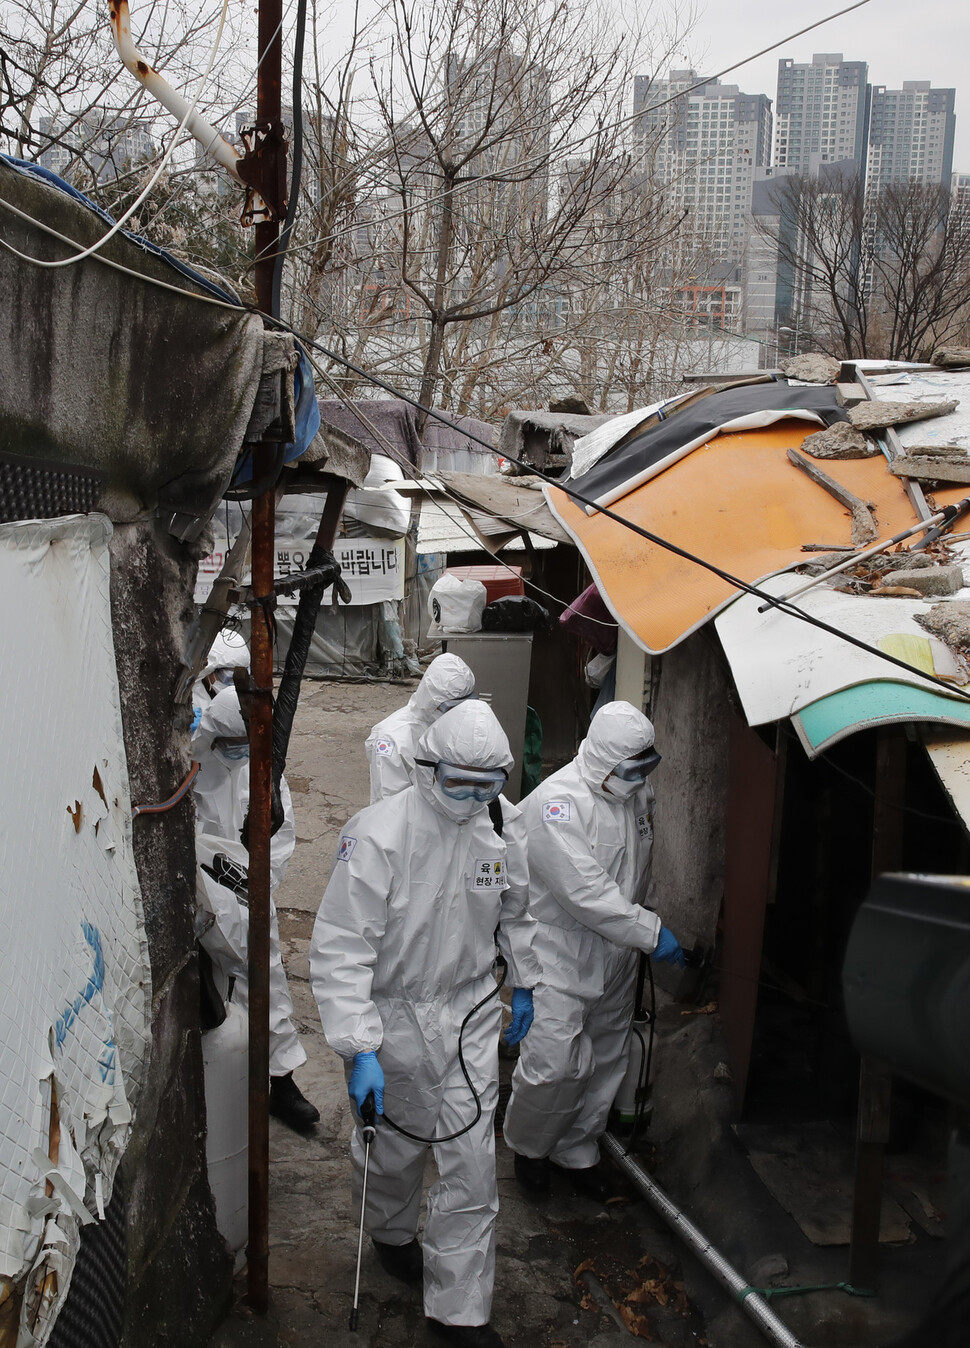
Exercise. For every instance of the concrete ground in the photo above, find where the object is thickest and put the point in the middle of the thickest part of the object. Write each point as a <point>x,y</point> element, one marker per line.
<point>570,1274</point>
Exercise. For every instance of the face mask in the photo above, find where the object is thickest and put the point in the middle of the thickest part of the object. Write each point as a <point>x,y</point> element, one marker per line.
<point>459,810</point>
<point>620,789</point>
<point>233,753</point>
<point>222,678</point>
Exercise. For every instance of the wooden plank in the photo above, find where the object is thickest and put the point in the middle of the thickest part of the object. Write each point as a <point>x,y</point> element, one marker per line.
<point>875,1082</point>
<point>863,522</point>
<point>748,870</point>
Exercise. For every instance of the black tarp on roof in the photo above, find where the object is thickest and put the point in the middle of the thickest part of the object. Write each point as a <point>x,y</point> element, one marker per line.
<point>630,458</point>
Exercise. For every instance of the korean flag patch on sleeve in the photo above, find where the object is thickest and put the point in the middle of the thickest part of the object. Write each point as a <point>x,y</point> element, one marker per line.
<point>346,849</point>
<point>555,812</point>
<point>385,745</point>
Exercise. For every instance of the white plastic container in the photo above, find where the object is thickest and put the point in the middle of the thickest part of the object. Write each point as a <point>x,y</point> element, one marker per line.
<point>225,1057</point>
<point>456,605</point>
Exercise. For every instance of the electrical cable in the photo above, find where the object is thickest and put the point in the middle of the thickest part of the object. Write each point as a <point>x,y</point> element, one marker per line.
<point>537,160</point>
<point>419,476</point>
<point>296,175</point>
<point>774,601</point>
<point>735,582</point>
<point>172,801</point>
<point>119,223</point>
<point>431,1141</point>
<point>646,1060</point>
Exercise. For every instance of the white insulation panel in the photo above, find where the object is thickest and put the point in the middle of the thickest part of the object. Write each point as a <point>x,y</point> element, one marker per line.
<point>75,987</point>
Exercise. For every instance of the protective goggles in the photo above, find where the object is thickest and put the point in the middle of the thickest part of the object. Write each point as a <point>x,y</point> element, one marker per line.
<point>638,768</point>
<point>458,783</point>
<point>457,701</point>
<point>233,747</point>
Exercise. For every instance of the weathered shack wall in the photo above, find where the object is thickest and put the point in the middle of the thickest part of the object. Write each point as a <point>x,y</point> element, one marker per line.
<point>179,1269</point>
<point>690,706</point>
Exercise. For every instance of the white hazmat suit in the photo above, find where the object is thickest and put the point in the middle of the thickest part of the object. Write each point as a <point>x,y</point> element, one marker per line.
<point>390,745</point>
<point>228,651</point>
<point>589,869</point>
<point>402,950</point>
<point>221,801</point>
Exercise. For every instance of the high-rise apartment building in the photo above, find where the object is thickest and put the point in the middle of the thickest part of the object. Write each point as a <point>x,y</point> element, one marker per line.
<point>101,146</point>
<point>911,135</point>
<point>821,112</point>
<point>705,146</point>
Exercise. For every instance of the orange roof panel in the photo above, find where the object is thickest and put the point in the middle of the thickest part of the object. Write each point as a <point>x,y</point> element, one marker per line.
<point>736,501</point>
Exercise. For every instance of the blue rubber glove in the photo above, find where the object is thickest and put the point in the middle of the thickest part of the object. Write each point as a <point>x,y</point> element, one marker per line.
<point>668,948</point>
<point>523,1014</point>
<point>196,718</point>
<point>366,1077</point>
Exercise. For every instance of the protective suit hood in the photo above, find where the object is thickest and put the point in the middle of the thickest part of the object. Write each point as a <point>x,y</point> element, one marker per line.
<point>469,736</point>
<point>228,651</point>
<point>222,717</point>
<point>447,677</point>
<point>617,731</point>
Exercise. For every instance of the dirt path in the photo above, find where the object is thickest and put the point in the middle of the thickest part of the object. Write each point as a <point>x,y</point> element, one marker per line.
<point>313,1228</point>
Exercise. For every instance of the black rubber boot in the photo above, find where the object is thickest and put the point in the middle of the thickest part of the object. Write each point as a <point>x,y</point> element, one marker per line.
<point>401,1261</point>
<point>288,1104</point>
<point>466,1336</point>
<point>532,1172</point>
<point>592,1182</point>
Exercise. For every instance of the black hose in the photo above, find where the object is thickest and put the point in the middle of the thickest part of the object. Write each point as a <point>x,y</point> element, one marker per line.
<point>643,1081</point>
<point>431,1141</point>
<point>296,176</point>
<point>304,626</point>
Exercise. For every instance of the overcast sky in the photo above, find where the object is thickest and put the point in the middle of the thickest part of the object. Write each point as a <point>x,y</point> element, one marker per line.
<point>900,39</point>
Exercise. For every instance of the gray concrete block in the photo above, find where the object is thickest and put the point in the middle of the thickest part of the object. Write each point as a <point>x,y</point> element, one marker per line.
<point>931,579</point>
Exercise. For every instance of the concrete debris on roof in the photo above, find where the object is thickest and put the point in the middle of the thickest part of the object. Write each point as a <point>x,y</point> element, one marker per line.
<point>840,441</point>
<point>932,466</point>
<point>876,416</point>
<point>951,357</point>
<point>950,622</point>
<point>928,580</point>
<point>813,368</point>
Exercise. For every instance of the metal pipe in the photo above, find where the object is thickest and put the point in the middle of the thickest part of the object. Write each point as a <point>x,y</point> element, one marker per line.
<point>211,140</point>
<point>871,551</point>
<point>753,1305</point>
<point>268,110</point>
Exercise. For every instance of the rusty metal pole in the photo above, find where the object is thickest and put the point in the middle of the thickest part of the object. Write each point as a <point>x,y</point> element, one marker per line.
<point>268,111</point>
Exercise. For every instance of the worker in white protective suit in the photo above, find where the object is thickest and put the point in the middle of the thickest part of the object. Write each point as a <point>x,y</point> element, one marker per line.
<point>228,651</point>
<point>390,745</point>
<point>590,829</point>
<point>403,947</point>
<point>221,747</point>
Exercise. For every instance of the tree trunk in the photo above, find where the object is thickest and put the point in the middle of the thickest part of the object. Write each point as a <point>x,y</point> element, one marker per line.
<point>436,334</point>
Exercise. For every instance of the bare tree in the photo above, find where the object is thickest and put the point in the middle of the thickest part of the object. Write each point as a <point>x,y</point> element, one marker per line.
<point>501,184</point>
<point>824,248</point>
<point>65,95</point>
<point>883,276</point>
<point>920,290</point>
